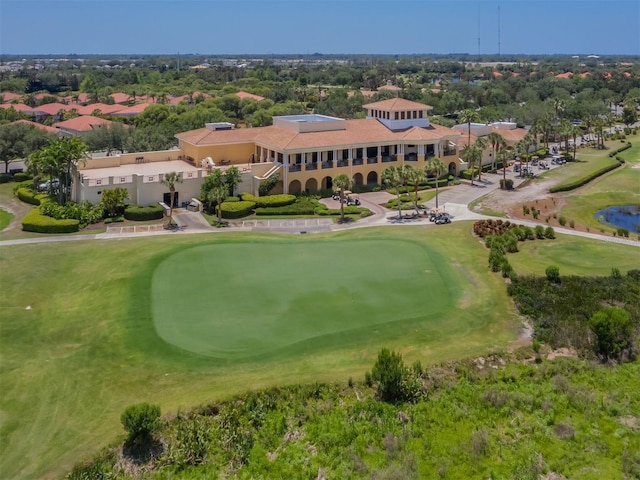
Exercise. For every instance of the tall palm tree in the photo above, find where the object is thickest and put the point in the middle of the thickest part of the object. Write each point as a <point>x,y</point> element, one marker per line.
<point>565,133</point>
<point>395,178</point>
<point>575,131</point>
<point>559,106</point>
<point>497,143</point>
<point>170,179</point>
<point>481,143</point>
<point>598,128</point>
<point>415,177</point>
<point>434,165</point>
<point>219,193</point>
<point>471,154</point>
<point>342,182</point>
<point>468,116</point>
<point>503,156</point>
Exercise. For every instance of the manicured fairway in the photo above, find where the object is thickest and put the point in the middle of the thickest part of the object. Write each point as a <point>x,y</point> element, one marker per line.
<point>238,300</point>
<point>87,347</point>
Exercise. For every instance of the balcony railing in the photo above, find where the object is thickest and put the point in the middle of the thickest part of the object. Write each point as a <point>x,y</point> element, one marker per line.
<point>295,168</point>
<point>389,159</point>
<point>372,160</point>
<point>357,161</point>
<point>311,166</point>
<point>327,164</point>
<point>411,157</point>
<point>343,163</point>
<point>448,153</point>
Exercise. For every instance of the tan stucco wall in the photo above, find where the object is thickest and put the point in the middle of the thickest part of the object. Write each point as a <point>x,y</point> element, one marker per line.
<point>235,153</point>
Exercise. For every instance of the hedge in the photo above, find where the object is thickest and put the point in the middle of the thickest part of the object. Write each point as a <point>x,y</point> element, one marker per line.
<point>298,208</point>
<point>336,211</point>
<point>5,178</point>
<point>584,180</point>
<point>29,196</point>
<point>22,176</point>
<point>141,214</point>
<point>237,209</point>
<point>34,221</point>
<point>270,200</point>
<point>620,150</point>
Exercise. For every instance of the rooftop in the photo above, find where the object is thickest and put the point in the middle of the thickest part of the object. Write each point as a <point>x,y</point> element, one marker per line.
<point>151,168</point>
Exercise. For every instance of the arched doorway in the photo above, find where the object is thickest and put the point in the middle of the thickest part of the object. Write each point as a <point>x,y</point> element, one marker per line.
<point>295,187</point>
<point>357,179</point>
<point>327,183</point>
<point>311,185</point>
<point>372,178</point>
<point>452,168</point>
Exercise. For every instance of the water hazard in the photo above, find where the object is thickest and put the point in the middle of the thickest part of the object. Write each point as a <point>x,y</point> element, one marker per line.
<point>627,216</point>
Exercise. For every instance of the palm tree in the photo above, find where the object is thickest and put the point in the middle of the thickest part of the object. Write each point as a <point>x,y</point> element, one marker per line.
<point>468,116</point>
<point>342,182</point>
<point>415,177</point>
<point>559,106</point>
<point>481,144</point>
<point>471,154</point>
<point>503,156</point>
<point>170,179</point>
<point>575,131</point>
<point>219,193</point>
<point>497,143</point>
<point>565,133</point>
<point>598,128</point>
<point>434,165</point>
<point>395,178</point>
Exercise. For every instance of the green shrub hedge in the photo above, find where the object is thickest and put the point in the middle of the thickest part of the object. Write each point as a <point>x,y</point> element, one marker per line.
<point>270,200</point>
<point>34,221</point>
<point>565,187</point>
<point>22,176</point>
<point>30,196</point>
<point>621,149</point>
<point>237,209</point>
<point>141,214</point>
<point>304,206</point>
<point>5,178</point>
<point>347,211</point>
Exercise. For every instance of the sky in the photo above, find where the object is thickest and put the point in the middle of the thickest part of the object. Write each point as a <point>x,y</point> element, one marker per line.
<point>320,26</point>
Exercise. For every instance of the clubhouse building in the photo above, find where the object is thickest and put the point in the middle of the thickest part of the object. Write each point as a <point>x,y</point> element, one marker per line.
<point>305,151</point>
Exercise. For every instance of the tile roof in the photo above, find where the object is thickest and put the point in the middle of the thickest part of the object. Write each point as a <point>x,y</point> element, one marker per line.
<point>356,132</point>
<point>397,104</point>
<point>52,108</point>
<point>131,111</point>
<point>18,107</point>
<point>83,123</point>
<point>390,88</point>
<point>10,96</point>
<point>243,95</point>
<point>120,97</point>
<point>104,108</point>
<point>37,125</point>
<point>565,75</point>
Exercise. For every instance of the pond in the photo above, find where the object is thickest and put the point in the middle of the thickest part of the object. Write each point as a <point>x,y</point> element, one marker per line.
<point>626,216</point>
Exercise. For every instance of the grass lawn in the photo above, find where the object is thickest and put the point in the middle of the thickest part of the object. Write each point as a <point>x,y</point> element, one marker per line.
<point>574,256</point>
<point>292,309</point>
<point>620,187</point>
<point>5,218</point>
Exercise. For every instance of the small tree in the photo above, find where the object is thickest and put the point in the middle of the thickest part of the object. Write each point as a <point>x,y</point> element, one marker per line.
<point>342,182</point>
<point>170,180</point>
<point>612,327</point>
<point>553,274</point>
<point>396,382</point>
<point>629,115</point>
<point>113,200</point>
<point>141,421</point>
<point>434,165</point>
<point>232,178</point>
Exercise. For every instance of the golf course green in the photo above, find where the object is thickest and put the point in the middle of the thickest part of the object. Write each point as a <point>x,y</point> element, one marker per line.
<point>239,300</point>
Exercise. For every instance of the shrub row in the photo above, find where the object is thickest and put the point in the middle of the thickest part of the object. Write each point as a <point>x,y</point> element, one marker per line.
<point>237,209</point>
<point>363,212</point>
<point>304,206</point>
<point>84,212</point>
<point>270,200</point>
<point>22,176</point>
<point>565,187</point>
<point>30,196</point>
<point>35,221</point>
<point>141,214</point>
<point>5,178</point>
<point>620,150</point>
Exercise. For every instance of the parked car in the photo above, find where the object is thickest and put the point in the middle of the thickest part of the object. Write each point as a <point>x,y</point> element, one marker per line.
<point>49,184</point>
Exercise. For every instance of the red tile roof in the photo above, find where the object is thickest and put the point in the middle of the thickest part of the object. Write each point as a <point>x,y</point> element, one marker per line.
<point>243,95</point>
<point>103,107</point>
<point>52,108</point>
<point>10,96</point>
<point>565,75</point>
<point>18,107</point>
<point>37,125</point>
<point>584,75</point>
<point>120,97</point>
<point>131,111</point>
<point>83,123</point>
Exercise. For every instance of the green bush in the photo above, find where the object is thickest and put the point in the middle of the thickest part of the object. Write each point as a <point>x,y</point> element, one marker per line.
<point>22,177</point>
<point>237,209</point>
<point>506,184</point>
<point>619,150</point>
<point>5,178</point>
<point>114,220</point>
<point>553,274</point>
<point>141,214</point>
<point>562,221</point>
<point>35,221</point>
<point>396,383</point>
<point>549,233</point>
<point>232,199</point>
<point>140,421</point>
<point>274,200</point>
<point>30,196</point>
